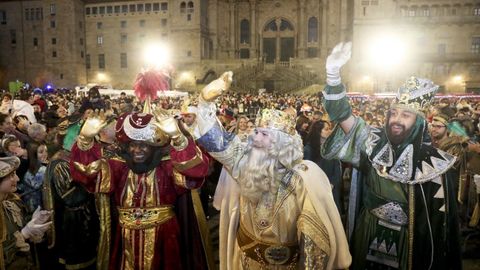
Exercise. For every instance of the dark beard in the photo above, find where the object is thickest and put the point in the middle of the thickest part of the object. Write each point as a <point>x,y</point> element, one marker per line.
<point>400,138</point>
<point>155,158</point>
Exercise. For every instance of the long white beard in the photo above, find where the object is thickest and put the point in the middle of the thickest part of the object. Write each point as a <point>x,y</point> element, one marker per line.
<point>257,174</point>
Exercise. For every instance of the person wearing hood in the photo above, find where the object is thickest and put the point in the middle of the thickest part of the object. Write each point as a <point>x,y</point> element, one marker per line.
<point>403,210</point>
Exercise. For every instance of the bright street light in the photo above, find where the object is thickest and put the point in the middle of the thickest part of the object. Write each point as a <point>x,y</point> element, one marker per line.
<point>457,79</point>
<point>185,79</point>
<point>386,51</point>
<point>157,55</point>
<point>185,75</point>
<point>101,77</point>
<point>366,79</point>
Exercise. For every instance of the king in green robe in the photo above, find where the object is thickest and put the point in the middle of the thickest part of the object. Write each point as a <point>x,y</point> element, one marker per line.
<point>406,214</point>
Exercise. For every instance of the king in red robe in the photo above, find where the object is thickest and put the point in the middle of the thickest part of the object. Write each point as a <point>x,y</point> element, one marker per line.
<point>151,218</point>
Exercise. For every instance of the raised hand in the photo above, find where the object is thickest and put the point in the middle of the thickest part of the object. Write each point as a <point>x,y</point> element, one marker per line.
<point>216,87</point>
<point>94,123</point>
<point>339,57</point>
<point>165,121</point>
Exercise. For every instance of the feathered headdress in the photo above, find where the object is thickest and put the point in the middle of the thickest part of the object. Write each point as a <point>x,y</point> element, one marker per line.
<point>149,82</point>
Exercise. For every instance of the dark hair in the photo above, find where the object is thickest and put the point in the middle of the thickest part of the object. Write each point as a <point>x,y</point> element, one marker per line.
<point>7,95</point>
<point>300,121</point>
<point>94,92</point>
<point>3,117</point>
<point>33,162</point>
<point>313,138</point>
<point>17,118</point>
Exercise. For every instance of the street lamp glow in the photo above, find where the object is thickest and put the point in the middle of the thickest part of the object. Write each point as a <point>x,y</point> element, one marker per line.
<point>157,55</point>
<point>101,77</point>
<point>458,79</point>
<point>185,75</point>
<point>387,51</point>
<point>366,79</point>
<point>185,79</point>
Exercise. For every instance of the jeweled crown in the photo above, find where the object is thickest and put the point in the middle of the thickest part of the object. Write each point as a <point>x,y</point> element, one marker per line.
<point>275,119</point>
<point>416,94</point>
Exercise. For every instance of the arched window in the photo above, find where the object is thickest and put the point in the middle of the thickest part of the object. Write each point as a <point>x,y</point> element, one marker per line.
<point>183,7</point>
<point>285,25</point>
<point>271,26</point>
<point>190,7</point>
<point>244,32</point>
<point>312,29</point>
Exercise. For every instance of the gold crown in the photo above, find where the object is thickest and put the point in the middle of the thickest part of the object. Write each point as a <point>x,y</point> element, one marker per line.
<point>274,119</point>
<point>415,94</point>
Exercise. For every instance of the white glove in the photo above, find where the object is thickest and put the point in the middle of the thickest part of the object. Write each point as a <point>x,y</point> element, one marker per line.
<point>37,226</point>
<point>41,216</point>
<point>339,56</point>
<point>217,87</point>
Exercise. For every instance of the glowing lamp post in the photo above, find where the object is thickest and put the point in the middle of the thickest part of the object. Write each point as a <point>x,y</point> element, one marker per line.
<point>458,82</point>
<point>387,51</point>
<point>101,77</point>
<point>457,79</point>
<point>366,82</point>
<point>156,55</point>
<point>185,80</point>
<point>386,54</point>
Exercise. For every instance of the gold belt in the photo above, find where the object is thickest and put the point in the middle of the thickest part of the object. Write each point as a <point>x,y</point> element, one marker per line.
<point>144,218</point>
<point>267,253</point>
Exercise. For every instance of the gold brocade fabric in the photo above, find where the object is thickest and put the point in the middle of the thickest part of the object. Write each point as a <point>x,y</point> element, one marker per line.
<point>203,228</point>
<point>141,192</point>
<point>291,219</point>
<point>103,210</point>
<point>144,218</point>
<point>314,257</point>
<point>274,219</point>
<point>453,145</point>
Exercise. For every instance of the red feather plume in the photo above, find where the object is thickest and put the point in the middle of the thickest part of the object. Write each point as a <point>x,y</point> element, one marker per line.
<point>149,82</point>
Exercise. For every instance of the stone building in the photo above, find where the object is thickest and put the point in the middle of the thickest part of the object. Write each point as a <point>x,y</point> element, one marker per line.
<point>42,42</point>
<point>272,44</point>
<point>394,39</point>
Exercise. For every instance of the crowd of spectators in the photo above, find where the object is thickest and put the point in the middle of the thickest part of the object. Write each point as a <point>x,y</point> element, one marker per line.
<point>31,120</point>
